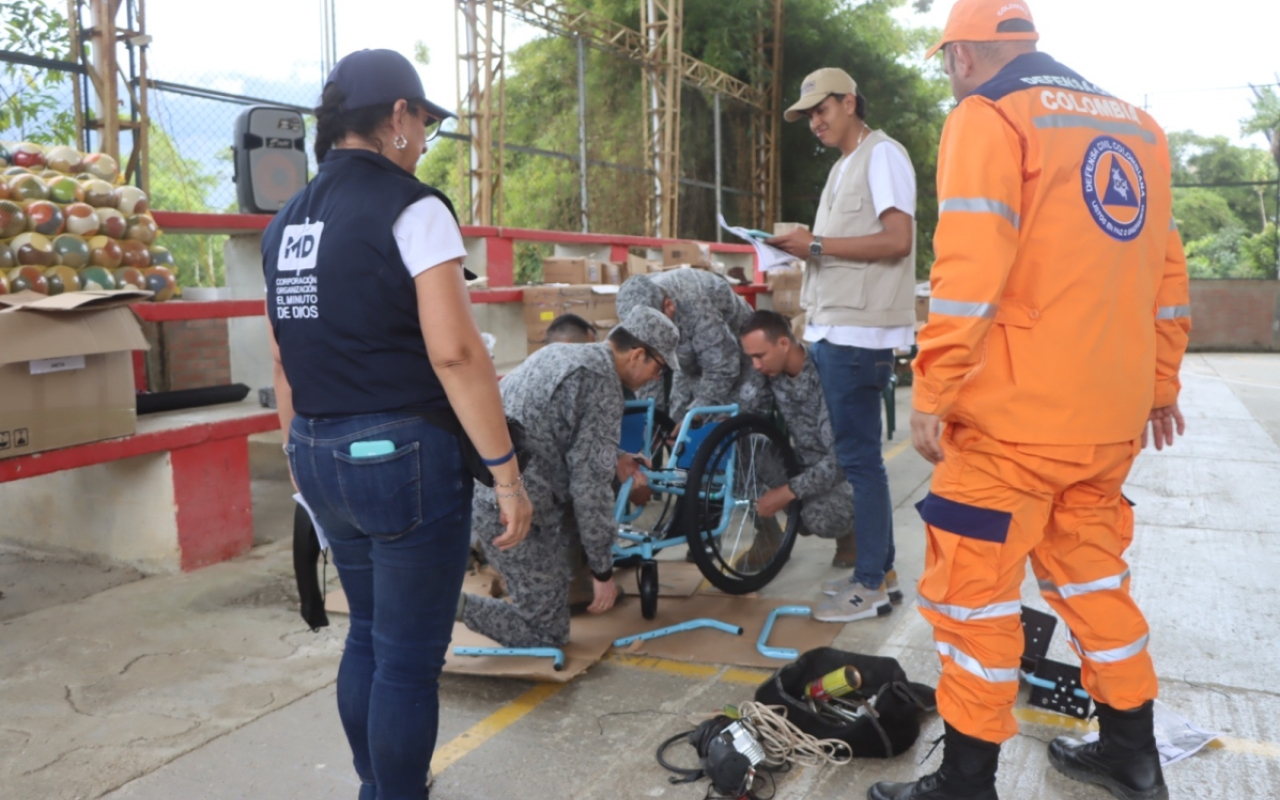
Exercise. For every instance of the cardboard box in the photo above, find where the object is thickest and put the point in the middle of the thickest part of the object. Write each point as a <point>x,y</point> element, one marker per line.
<point>66,369</point>
<point>785,286</point>
<point>637,265</point>
<point>616,273</point>
<point>542,304</point>
<point>573,270</point>
<point>693,254</point>
<point>783,228</point>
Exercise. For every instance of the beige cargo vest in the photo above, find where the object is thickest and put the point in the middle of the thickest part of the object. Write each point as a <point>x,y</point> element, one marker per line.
<point>870,294</point>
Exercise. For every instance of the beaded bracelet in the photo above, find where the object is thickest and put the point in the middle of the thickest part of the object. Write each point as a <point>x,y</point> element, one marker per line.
<point>510,495</point>
<point>519,481</point>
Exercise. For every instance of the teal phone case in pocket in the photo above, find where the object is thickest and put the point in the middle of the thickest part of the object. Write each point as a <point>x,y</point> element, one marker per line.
<point>380,447</point>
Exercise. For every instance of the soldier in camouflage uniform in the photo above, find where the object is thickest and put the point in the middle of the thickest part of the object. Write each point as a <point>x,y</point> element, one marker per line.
<point>711,369</point>
<point>792,382</point>
<point>569,399</point>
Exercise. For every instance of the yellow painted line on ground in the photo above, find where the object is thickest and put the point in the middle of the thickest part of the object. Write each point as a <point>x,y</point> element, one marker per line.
<point>896,450</point>
<point>491,726</point>
<point>739,675</point>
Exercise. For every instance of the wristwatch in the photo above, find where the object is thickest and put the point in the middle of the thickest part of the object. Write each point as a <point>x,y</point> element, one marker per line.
<point>815,247</point>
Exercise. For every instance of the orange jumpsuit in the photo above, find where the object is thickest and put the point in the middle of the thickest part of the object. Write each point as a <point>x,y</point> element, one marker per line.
<point>1058,319</point>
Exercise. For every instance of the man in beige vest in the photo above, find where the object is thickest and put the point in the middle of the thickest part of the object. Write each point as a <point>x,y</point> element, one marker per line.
<point>859,298</point>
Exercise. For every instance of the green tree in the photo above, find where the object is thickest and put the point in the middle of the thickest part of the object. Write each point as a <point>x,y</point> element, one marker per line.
<point>35,104</point>
<point>1215,160</point>
<point>1201,212</point>
<point>185,184</point>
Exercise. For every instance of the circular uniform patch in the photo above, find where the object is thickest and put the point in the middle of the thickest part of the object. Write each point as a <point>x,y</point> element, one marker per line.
<point>1115,189</point>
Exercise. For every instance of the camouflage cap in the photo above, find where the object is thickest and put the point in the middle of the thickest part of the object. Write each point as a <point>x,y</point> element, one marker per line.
<point>639,291</point>
<point>654,329</point>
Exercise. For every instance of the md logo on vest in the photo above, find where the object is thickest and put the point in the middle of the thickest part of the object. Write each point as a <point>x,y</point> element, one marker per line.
<point>298,246</point>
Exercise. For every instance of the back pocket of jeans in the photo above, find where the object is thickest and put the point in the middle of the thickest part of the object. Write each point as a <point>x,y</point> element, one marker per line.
<point>382,494</point>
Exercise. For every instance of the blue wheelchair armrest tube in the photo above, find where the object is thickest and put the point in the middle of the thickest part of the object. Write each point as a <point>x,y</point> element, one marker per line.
<point>698,411</point>
<point>691,625</point>
<point>762,644</point>
<point>620,503</point>
<point>554,653</point>
<point>1041,683</point>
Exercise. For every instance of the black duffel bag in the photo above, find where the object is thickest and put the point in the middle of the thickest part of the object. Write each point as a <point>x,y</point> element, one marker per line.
<point>897,703</point>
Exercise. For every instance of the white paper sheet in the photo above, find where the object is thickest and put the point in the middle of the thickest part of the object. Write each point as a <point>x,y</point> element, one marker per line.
<point>324,543</point>
<point>1177,737</point>
<point>768,256</point>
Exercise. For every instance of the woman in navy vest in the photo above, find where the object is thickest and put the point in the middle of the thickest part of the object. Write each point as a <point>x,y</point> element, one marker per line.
<point>372,333</point>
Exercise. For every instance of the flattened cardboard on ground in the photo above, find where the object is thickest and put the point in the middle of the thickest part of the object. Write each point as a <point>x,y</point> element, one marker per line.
<point>713,647</point>
<point>66,369</point>
<point>675,579</point>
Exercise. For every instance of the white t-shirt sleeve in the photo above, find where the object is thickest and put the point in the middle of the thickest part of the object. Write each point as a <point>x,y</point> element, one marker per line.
<point>427,236</point>
<point>893,183</point>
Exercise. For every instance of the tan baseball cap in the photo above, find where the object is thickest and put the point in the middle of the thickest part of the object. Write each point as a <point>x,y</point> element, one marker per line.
<point>987,21</point>
<point>816,87</point>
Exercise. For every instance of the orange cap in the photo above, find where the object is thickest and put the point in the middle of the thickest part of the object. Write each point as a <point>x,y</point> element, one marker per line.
<point>987,21</point>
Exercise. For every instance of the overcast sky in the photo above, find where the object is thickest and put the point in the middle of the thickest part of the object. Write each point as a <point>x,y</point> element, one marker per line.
<point>1177,58</point>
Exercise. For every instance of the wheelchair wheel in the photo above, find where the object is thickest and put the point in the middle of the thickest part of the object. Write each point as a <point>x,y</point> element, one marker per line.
<point>647,577</point>
<point>736,549</point>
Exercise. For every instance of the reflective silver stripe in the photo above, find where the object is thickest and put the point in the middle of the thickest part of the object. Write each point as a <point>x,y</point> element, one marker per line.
<point>1172,312</point>
<point>1076,589</point>
<point>1112,656</point>
<point>970,664</point>
<point>964,614</point>
<point>957,308</point>
<point>1104,125</point>
<point>980,205</point>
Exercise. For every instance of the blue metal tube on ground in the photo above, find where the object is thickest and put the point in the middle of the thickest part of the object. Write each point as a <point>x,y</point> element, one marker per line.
<point>693,624</point>
<point>762,644</point>
<point>554,653</point>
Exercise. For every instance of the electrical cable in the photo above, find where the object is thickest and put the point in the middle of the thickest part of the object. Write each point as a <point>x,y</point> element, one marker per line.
<point>783,742</point>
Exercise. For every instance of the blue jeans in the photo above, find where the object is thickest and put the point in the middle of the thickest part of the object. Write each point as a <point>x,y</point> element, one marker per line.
<point>398,526</point>
<point>853,382</point>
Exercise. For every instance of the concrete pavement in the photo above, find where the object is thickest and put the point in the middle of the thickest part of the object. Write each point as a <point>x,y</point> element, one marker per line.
<point>207,685</point>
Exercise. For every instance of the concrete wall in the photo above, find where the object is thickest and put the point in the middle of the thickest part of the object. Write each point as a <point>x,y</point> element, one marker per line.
<point>1235,315</point>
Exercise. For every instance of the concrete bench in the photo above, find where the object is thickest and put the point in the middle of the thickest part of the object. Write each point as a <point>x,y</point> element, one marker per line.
<point>174,496</point>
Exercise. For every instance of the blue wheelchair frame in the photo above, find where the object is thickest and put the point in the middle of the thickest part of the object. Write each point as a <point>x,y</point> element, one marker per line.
<point>670,480</point>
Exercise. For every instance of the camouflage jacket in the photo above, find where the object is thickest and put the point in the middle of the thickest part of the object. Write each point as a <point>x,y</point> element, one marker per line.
<point>569,399</point>
<point>709,315</point>
<point>801,403</point>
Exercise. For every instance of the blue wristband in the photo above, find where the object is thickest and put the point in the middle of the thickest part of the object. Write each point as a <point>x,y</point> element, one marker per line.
<point>497,462</point>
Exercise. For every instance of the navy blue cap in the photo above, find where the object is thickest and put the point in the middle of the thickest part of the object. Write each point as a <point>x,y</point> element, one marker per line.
<point>374,77</point>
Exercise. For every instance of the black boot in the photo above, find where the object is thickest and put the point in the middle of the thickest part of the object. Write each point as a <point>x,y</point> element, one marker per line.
<point>968,772</point>
<point>1124,760</point>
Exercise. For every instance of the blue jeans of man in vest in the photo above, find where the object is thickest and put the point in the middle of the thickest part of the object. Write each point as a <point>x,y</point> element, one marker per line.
<point>398,526</point>
<point>853,382</point>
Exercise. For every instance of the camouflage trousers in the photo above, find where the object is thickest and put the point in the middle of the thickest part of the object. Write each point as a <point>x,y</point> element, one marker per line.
<point>536,611</point>
<point>828,515</point>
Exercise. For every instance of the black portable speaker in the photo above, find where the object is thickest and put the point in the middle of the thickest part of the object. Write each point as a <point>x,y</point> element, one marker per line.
<point>270,157</point>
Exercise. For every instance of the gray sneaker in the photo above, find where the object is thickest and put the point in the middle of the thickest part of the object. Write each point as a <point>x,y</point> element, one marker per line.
<point>835,586</point>
<point>854,603</point>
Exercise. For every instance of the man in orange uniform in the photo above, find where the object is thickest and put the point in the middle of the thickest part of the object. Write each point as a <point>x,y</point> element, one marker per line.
<point>1057,322</point>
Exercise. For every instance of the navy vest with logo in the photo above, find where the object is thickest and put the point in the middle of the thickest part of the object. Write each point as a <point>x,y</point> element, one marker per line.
<point>339,297</point>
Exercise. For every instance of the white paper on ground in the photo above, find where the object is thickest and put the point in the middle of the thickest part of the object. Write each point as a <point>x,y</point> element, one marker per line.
<point>324,543</point>
<point>1176,736</point>
<point>769,256</point>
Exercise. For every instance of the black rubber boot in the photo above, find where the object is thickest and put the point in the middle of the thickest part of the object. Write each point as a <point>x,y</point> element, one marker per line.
<point>968,772</point>
<point>1124,760</point>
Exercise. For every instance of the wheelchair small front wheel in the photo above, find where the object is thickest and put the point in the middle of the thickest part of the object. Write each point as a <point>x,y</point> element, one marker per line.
<point>648,580</point>
<point>736,549</point>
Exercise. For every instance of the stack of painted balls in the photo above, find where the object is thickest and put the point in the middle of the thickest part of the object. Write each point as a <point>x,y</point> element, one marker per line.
<point>65,225</point>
